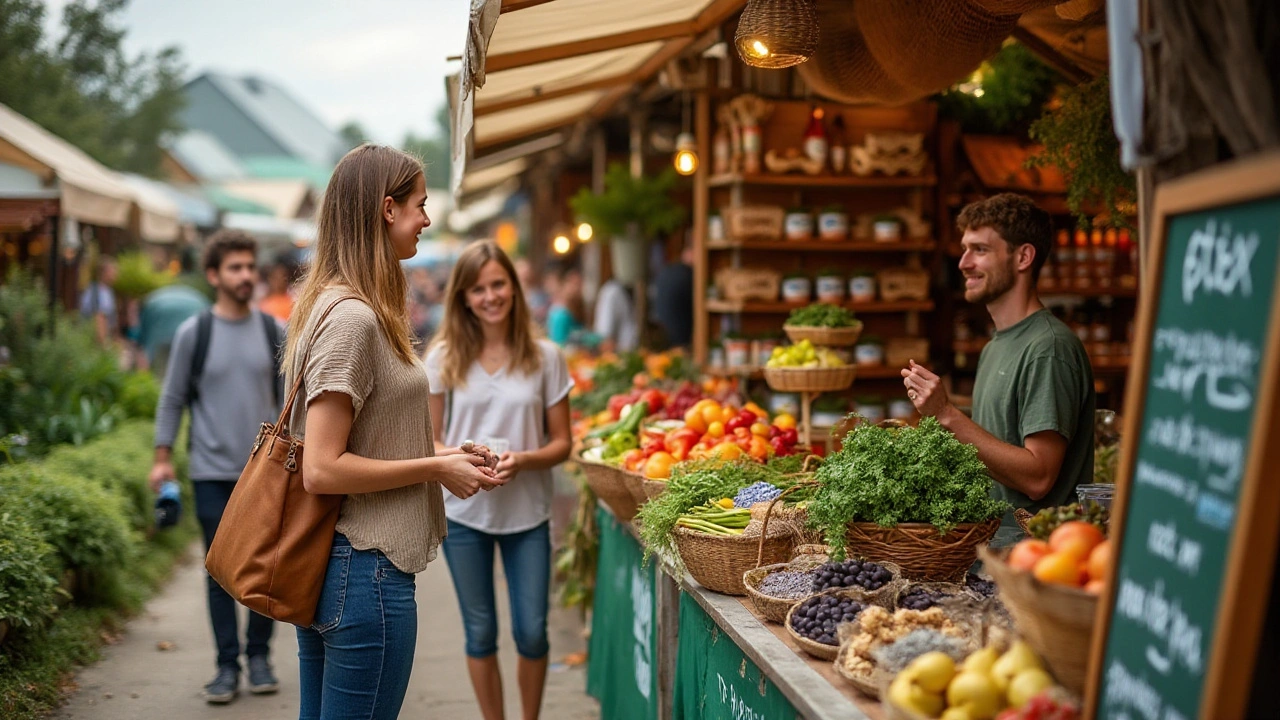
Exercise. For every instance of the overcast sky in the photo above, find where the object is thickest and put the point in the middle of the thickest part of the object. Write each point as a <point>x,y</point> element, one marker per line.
<point>380,62</point>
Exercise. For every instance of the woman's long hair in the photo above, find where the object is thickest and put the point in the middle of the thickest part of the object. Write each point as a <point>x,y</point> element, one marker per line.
<point>461,338</point>
<point>353,249</point>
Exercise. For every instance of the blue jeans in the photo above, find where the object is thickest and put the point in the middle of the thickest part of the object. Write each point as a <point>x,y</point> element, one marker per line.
<point>356,657</point>
<point>526,559</point>
<point>211,502</point>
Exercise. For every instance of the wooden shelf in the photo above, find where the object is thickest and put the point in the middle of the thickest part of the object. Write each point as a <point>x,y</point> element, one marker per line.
<point>858,246</point>
<point>970,346</point>
<point>825,181</point>
<point>726,307</point>
<point>1093,292</point>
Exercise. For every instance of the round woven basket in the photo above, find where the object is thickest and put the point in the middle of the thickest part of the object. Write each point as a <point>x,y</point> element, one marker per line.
<point>830,337</point>
<point>772,608</point>
<point>653,488</point>
<point>844,70</point>
<point>829,652</point>
<point>1056,621</point>
<point>919,550</point>
<point>718,562</point>
<point>1023,516</point>
<point>610,485</point>
<point>810,379</point>
<point>869,684</point>
<point>634,482</point>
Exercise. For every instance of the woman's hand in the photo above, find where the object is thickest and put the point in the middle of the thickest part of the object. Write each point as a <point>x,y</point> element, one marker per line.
<point>465,474</point>
<point>442,451</point>
<point>508,465</point>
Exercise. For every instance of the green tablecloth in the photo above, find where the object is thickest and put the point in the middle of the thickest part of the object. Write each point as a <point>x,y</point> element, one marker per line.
<point>622,666</point>
<point>715,680</point>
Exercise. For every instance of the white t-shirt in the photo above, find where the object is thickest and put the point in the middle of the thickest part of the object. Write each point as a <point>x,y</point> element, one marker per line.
<point>615,316</point>
<point>507,405</point>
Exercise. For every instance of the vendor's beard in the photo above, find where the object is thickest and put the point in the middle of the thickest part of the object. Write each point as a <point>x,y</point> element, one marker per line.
<point>994,285</point>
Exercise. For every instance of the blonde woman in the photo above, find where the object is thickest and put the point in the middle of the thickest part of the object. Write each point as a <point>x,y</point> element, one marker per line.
<point>368,437</point>
<point>494,383</point>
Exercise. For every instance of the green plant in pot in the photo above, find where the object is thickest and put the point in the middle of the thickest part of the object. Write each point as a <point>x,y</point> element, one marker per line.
<point>137,277</point>
<point>631,212</point>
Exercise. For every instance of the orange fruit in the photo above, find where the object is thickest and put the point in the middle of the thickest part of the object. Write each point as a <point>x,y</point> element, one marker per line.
<point>727,451</point>
<point>658,466</point>
<point>1095,587</point>
<point>693,420</point>
<point>1099,563</point>
<point>1058,568</point>
<point>1027,553</point>
<point>759,411</point>
<point>712,413</point>
<point>784,421</point>
<point>760,429</point>
<point>1077,537</point>
<point>715,429</point>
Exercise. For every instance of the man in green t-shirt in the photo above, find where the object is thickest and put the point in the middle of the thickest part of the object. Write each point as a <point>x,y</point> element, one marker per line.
<point>1033,398</point>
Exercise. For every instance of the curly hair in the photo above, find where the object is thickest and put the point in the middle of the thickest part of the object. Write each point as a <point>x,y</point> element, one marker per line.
<point>224,242</point>
<point>1017,219</point>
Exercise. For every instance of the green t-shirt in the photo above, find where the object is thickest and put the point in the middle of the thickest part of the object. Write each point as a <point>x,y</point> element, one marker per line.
<point>1032,377</point>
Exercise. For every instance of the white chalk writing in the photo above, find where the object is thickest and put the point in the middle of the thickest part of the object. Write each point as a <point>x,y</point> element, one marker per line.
<point>1221,456</point>
<point>642,629</point>
<point>1128,691</point>
<point>738,708</point>
<point>1227,364</point>
<point>1216,262</point>
<point>1165,619</point>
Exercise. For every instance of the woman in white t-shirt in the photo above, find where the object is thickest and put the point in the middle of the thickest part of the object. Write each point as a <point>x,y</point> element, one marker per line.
<point>493,382</point>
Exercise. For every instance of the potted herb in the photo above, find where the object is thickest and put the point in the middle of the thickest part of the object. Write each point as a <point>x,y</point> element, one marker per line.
<point>828,410</point>
<point>629,214</point>
<point>886,227</point>
<point>862,286</point>
<point>833,223</point>
<point>829,285</point>
<point>796,287</point>
<point>797,224</point>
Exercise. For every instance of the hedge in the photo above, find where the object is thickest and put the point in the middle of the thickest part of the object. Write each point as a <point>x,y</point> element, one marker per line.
<point>87,509</point>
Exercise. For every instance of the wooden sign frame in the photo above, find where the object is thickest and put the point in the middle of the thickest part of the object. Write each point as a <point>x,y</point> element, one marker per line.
<point>1243,602</point>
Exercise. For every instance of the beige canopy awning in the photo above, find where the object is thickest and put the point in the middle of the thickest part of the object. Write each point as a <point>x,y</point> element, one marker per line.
<point>289,199</point>
<point>534,66</point>
<point>90,193</point>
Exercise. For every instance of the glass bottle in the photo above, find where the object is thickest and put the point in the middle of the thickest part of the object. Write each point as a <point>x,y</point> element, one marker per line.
<point>815,137</point>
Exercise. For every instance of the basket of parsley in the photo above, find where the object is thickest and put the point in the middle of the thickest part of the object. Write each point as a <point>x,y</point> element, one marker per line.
<point>917,497</point>
<point>823,324</point>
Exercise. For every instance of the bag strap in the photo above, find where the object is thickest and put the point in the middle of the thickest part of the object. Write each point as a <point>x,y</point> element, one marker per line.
<point>204,330</point>
<point>287,410</point>
<point>274,342</point>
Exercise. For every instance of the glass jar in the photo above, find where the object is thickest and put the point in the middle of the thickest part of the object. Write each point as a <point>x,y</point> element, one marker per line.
<point>862,288</point>
<point>830,289</point>
<point>833,225</point>
<point>1101,493</point>
<point>737,352</point>
<point>798,225</point>
<point>796,290</point>
<point>868,354</point>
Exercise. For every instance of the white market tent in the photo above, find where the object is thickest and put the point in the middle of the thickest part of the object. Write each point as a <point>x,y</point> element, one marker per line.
<point>533,67</point>
<point>88,192</point>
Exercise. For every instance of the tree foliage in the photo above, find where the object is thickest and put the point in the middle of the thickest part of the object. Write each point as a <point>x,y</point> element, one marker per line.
<point>434,150</point>
<point>82,87</point>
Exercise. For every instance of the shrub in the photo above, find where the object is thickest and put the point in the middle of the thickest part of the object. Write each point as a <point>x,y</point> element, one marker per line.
<point>118,463</point>
<point>28,587</point>
<point>85,524</point>
<point>139,395</point>
<point>138,275</point>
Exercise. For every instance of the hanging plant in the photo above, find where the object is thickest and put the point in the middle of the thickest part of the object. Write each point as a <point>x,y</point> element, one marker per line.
<point>1003,96</point>
<point>645,201</point>
<point>1079,139</point>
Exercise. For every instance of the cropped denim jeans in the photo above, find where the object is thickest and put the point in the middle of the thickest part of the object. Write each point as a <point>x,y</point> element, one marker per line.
<point>356,656</point>
<point>526,560</point>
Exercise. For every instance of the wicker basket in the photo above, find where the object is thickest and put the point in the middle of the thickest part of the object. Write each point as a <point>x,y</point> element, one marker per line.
<point>1023,516</point>
<point>810,379</point>
<point>829,652</point>
<point>653,488</point>
<point>753,222</point>
<point>919,550</point>
<point>830,337</point>
<point>611,485</point>
<point>634,482</point>
<point>718,562</point>
<point>775,609</point>
<point>1056,621</point>
<point>744,284</point>
<point>900,350</point>
<point>903,283</point>
<point>868,685</point>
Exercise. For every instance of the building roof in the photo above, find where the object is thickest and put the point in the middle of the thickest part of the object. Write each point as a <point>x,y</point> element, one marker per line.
<point>204,156</point>
<point>297,130</point>
<point>288,199</point>
<point>288,168</point>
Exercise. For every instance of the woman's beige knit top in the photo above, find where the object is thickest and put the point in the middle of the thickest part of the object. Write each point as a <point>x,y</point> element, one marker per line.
<point>351,356</point>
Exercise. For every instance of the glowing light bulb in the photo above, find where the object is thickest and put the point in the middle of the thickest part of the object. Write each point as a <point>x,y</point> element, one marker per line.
<point>759,48</point>
<point>585,232</point>
<point>979,92</point>
<point>561,244</point>
<point>686,159</point>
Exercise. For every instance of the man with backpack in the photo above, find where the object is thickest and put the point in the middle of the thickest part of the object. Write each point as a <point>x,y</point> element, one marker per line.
<point>224,366</point>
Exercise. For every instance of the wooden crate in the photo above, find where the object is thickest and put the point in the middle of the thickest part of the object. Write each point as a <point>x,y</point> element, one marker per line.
<point>903,283</point>
<point>899,350</point>
<point>753,222</point>
<point>742,284</point>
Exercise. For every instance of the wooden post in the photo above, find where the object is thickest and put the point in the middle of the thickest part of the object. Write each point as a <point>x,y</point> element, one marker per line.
<point>641,292</point>
<point>701,201</point>
<point>667,615</point>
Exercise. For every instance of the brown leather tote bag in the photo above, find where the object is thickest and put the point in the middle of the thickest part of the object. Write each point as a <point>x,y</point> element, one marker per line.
<point>273,543</point>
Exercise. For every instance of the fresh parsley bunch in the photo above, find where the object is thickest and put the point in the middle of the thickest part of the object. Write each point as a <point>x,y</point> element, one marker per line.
<point>821,315</point>
<point>908,475</point>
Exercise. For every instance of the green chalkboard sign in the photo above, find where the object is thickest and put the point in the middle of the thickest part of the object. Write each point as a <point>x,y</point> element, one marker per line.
<point>1193,494</point>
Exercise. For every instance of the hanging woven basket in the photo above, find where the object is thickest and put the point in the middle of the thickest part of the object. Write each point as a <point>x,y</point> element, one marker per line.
<point>777,33</point>
<point>843,69</point>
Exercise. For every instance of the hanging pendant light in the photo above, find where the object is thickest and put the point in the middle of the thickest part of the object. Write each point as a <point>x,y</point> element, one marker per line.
<point>777,33</point>
<point>686,158</point>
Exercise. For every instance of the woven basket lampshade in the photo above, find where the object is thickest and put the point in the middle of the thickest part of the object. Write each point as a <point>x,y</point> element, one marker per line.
<point>777,33</point>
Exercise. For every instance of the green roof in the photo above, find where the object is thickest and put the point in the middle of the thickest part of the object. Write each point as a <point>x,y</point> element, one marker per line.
<point>228,202</point>
<point>280,167</point>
